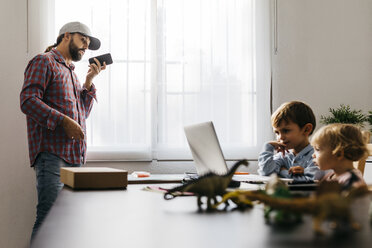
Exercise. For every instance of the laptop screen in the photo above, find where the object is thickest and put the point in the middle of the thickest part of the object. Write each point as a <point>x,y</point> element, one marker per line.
<point>205,148</point>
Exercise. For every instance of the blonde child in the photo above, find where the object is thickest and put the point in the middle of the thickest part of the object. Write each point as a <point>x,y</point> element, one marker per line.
<point>336,146</point>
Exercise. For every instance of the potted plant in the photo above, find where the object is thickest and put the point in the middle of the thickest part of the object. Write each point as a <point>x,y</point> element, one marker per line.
<point>344,114</point>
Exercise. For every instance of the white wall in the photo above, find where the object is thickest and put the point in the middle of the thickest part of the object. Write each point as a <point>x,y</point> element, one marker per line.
<point>17,186</point>
<point>324,58</point>
<point>324,54</point>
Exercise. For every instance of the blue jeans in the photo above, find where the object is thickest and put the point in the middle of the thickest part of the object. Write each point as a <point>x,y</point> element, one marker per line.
<point>48,184</point>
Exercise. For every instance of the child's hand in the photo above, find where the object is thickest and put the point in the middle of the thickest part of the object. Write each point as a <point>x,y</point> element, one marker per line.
<point>279,146</point>
<point>296,170</point>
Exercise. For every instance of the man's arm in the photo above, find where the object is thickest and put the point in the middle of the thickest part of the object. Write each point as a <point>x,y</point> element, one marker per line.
<point>36,80</point>
<point>88,92</point>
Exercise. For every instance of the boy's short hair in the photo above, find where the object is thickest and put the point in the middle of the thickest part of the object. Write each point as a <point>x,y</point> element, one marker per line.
<point>346,138</point>
<point>296,112</point>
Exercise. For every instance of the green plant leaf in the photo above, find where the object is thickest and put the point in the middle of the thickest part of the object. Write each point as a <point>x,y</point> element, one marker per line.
<point>344,114</point>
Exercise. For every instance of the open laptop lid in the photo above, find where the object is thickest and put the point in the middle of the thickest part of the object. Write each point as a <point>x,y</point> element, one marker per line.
<point>205,148</point>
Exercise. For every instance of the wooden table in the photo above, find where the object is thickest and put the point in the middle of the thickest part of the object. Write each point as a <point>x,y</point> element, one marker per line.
<point>137,218</point>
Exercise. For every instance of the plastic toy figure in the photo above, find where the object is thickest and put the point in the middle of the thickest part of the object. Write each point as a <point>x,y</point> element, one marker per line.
<point>209,185</point>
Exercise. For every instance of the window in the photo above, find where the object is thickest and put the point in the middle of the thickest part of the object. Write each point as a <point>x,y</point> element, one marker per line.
<point>176,62</point>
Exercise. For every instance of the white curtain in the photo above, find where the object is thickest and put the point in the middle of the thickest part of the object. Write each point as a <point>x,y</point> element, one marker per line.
<point>176,62</point>
<point>40,26</point>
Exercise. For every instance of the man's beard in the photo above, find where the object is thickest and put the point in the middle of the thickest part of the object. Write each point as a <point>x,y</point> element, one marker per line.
<point>74,51</point>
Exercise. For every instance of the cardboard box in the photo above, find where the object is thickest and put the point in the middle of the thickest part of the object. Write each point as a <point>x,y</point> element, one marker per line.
<point>94,177</point>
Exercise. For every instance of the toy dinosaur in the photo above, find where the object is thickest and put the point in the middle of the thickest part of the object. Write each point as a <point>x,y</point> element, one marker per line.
<point>276,189</point>
<point>209,185</point>
<point>328,203</point>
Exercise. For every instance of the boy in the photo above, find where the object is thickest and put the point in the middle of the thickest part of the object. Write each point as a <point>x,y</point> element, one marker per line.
<point>293,123</point>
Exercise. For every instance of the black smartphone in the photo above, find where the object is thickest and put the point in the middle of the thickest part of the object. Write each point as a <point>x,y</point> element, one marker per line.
<point>102,58</point>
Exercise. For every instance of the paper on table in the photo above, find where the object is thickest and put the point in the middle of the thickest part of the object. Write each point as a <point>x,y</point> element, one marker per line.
<point>254,178</point>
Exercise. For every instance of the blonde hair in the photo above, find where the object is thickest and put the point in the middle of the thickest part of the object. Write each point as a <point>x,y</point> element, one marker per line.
<point>342,138</point>
<point>296,112</point>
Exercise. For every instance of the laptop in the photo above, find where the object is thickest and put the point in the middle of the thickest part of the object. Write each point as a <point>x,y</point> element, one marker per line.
<point>205,148</point>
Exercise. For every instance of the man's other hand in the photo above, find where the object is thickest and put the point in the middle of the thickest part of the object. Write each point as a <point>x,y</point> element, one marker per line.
<point>72,129</point>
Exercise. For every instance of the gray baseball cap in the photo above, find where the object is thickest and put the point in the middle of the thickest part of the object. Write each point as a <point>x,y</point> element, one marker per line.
<point>78,27</point>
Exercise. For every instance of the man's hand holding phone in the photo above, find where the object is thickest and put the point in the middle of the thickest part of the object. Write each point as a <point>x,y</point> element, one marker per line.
<point>104,58</point>
<point>96,65</point>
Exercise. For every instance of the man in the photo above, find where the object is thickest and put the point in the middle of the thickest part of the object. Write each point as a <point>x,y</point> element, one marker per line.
<point>56,107</point>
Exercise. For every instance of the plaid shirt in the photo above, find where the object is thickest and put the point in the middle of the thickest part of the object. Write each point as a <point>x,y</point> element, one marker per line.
<point>51,90</point>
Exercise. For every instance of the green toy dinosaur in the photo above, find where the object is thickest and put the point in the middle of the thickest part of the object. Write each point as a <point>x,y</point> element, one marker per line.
<point>209,185</point>
<point>275,188</point>
<point>278,189</point>
<point>327,204</point>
